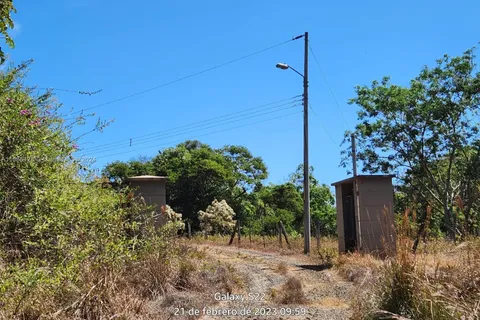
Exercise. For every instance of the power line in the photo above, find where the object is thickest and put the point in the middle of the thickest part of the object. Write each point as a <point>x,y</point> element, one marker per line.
<point>90,93</point>
<point>185,77</point>
<point>328,85</point>
<point>321,123</point>
<point>195,124</point>
<point>162,137</point>
<point>206,134</point>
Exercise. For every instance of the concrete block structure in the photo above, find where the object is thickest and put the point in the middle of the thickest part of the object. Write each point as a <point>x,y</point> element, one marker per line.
<point>152,189</point>
<point>365,217</point>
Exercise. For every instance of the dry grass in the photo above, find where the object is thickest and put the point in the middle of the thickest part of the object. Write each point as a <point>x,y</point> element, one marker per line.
<point>441,281</point>
<point>272,245</point>
<point>145,289</point>
<point>282,268</point>
<point>291,292</point>
<point>358,268</point>
<point>332,302</point>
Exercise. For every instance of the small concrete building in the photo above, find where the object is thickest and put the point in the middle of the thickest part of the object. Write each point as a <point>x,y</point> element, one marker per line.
<point>365,218</point>
<point>152,189</point>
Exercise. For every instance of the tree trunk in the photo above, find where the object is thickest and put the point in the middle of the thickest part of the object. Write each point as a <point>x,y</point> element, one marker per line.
<point>450,233</point>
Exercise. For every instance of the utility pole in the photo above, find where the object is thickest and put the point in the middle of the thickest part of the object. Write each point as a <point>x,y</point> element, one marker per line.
<point>354,155</point>
<point>355,190</point>
<point>306,166</point>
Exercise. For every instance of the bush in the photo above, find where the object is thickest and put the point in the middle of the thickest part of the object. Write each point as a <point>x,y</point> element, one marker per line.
<point>55,219</point>
<point>218,218</point>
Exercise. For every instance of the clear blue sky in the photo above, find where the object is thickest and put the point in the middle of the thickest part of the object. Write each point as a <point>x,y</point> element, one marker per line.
<point>124,47</point>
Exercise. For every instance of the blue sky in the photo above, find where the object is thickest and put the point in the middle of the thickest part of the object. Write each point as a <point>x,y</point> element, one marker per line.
<point>125,47</point>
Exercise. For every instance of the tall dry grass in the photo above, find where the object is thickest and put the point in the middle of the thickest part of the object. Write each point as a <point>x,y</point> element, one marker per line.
<point>148,288</point>
<point>440,280</point>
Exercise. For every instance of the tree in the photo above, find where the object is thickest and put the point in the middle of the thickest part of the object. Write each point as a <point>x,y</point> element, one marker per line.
<point>248,172</point>
<point>197,174</point>
<point>408,130</point>
<point>321,200</point>
<point>281,202</point>
<point>217,218</point>
<point>6,22</point>
<point>119,171</point>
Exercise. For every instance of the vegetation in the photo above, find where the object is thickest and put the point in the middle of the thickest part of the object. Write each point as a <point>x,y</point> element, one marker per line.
<point>218,218</point>
<point>428,134</point>
<point>69,247</point>
<point>6,22</point>
<point>198,174</point>
<point>440,282</point>
<point>72,248</point>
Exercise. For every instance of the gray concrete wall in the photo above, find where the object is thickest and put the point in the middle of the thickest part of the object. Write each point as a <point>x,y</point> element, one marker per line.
<point>340,231</point>
<point>153,191</point>
<point>377,226</point>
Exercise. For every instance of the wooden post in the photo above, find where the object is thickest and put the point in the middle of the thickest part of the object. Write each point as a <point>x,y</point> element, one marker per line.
<point>282,227</point>
<point>238,230</point>
<point>189,228</point>
<point>354,155</point>
<point>318,234</point>
<point>233,233</point>
<point>279,234</point>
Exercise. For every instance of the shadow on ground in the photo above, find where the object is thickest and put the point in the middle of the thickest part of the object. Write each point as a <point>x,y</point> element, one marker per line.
<point>316,267</point>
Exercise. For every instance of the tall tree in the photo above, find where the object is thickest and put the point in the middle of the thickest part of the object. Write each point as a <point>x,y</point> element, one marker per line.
<point>119,171</point>
<point>408,129</point>
<point>321,200</point>
<point>197,174</point>
<point>6,22</point>
<point>249,172</point>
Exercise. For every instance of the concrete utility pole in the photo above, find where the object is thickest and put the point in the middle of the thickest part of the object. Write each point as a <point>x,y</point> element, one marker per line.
<point>306,166</point>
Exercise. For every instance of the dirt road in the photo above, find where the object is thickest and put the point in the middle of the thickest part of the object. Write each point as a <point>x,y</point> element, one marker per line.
<point>327,295</point>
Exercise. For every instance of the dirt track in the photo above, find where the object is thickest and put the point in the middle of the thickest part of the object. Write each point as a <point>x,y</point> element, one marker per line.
<point>328,296</point>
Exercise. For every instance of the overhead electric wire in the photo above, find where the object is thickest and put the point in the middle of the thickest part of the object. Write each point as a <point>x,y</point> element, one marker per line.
<point>328,86</point>
<point>190,125</point>
<point>185,77</point>
<point>162,137</point>
<point>90,93</point>
<point>321,123</point>
<point>206,134</point>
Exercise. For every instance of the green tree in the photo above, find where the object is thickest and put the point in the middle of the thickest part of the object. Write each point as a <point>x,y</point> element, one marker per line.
<point>197,174</point>
<point>281,203</point>
<point>409,129</point>
<point>465,180</point>
<point>321,200</point>
<point>249,173</point>
<point>48,212</point>
<point>6,22</point>
<point>119,171</point>
<point>217,218</point>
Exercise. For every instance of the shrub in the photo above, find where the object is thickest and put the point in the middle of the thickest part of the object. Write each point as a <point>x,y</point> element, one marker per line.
<point>292,292</point>
<point>217,218</point>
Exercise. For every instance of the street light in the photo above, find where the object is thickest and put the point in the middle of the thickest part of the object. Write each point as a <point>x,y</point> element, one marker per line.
<point>285,66</point>
<point>306,179</point>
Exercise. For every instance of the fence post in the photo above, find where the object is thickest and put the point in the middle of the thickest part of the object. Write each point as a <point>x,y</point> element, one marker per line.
<point>238,230</point>
<point>282,228</point>
<point>189,228</point>
<point>279,234</point>
<point>317,229</point>
<point>233,233</point>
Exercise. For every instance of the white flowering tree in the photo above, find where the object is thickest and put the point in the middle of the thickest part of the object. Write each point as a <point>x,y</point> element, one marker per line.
<point>174,220</point>
<point>218,218</point>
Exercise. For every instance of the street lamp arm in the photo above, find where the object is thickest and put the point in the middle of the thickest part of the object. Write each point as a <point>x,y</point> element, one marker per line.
<point>297,71</point>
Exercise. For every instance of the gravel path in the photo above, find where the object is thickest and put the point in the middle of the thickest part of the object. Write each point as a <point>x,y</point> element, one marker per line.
<point>327,295</point>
